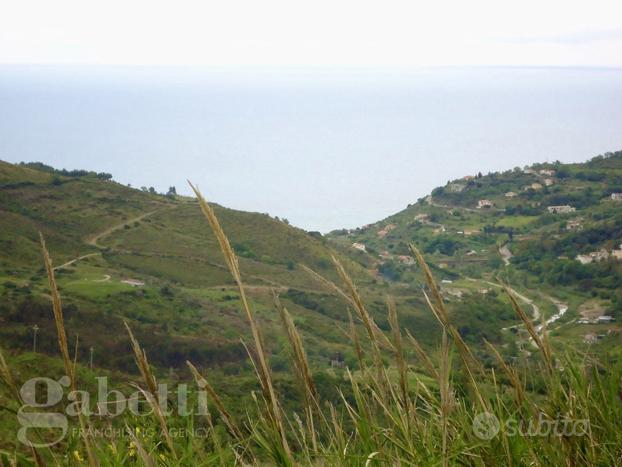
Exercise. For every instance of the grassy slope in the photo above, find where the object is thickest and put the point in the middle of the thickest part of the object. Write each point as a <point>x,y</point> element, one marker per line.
<point>188,305</point>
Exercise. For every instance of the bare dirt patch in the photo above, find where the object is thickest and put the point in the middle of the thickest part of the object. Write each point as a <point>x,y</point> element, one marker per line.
<point>591,309</point>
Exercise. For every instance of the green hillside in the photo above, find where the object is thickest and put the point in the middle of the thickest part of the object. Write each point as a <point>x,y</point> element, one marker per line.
<point>482,228</point>
<point>122,253</point>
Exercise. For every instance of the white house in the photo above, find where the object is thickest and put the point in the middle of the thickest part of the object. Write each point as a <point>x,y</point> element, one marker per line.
<point>547,172</point>
<point>592,257</point>
<point>484,203</point>
<point>605,319</point>
<point>510,194</point>
<point>616,196</point>
<point>359,246</point>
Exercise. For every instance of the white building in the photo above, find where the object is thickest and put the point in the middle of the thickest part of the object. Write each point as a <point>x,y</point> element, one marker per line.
<point>605,319</point>
<point>359,246</point>
<point>616,196</point>
<point>484,203</point>
<point>594,256</point>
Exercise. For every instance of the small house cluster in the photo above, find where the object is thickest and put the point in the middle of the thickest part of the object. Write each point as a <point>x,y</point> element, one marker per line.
<point>600,255</point>
<point>604,319</point>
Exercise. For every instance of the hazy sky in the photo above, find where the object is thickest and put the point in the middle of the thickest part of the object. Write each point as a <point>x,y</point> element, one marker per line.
<point>312,33</point>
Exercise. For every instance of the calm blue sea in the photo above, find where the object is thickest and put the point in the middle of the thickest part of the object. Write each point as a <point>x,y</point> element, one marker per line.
<point>323,148</point>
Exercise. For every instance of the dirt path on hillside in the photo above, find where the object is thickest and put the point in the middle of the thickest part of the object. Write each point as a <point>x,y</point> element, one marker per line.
<point>75,260</point>
<point>98,236</point>
<point>506,254</point>
<point>95,238</point>
<point>106,278</point>
<point>562,308</point>
<point>521,297</point>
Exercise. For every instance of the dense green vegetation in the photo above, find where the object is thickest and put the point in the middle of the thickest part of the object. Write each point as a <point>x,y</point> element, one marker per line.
<point>426,410</point>
<point>123,254</point>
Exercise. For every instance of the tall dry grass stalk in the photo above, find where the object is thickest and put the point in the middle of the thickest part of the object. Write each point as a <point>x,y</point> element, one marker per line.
<point>440,311</point>
<point>543,345</point>
<point>224,413</point>
<point>140,357</point>
<point>447,400</point>
<point>423,356</point>
<point>376,336</point>
<point>471,365</point>
<point>301,369</point>
<point>354,336</point>
<point>399,356</point>
<point>274,409</point>
<point>519,390</point>
<point>301,363</point>
<point>151,394</point>
<point>5,373</point>
<point>64,349</point>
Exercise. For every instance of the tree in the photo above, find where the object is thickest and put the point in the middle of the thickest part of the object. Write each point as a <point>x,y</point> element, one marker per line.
<point>172,192</point>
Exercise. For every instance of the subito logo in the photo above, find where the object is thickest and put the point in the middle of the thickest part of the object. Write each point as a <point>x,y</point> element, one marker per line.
<point>486,425</point>
<point>31,420</point>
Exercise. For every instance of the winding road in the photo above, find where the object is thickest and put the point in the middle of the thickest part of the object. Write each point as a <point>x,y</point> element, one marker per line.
<point>95,238</point>
<point>69,263</point>
<point>104,233</point>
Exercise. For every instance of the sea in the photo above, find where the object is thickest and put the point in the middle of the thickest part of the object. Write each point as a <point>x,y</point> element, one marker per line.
<point>324,148</point>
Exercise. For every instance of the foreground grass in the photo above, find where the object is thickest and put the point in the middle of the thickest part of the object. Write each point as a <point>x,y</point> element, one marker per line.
<point>440,409</point>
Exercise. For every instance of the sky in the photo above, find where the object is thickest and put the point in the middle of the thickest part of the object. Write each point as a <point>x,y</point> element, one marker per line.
<point>330,113</point>
<point>318,33</point>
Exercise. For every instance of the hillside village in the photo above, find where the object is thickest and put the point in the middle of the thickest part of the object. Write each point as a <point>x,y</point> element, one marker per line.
<point>567,216</point>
